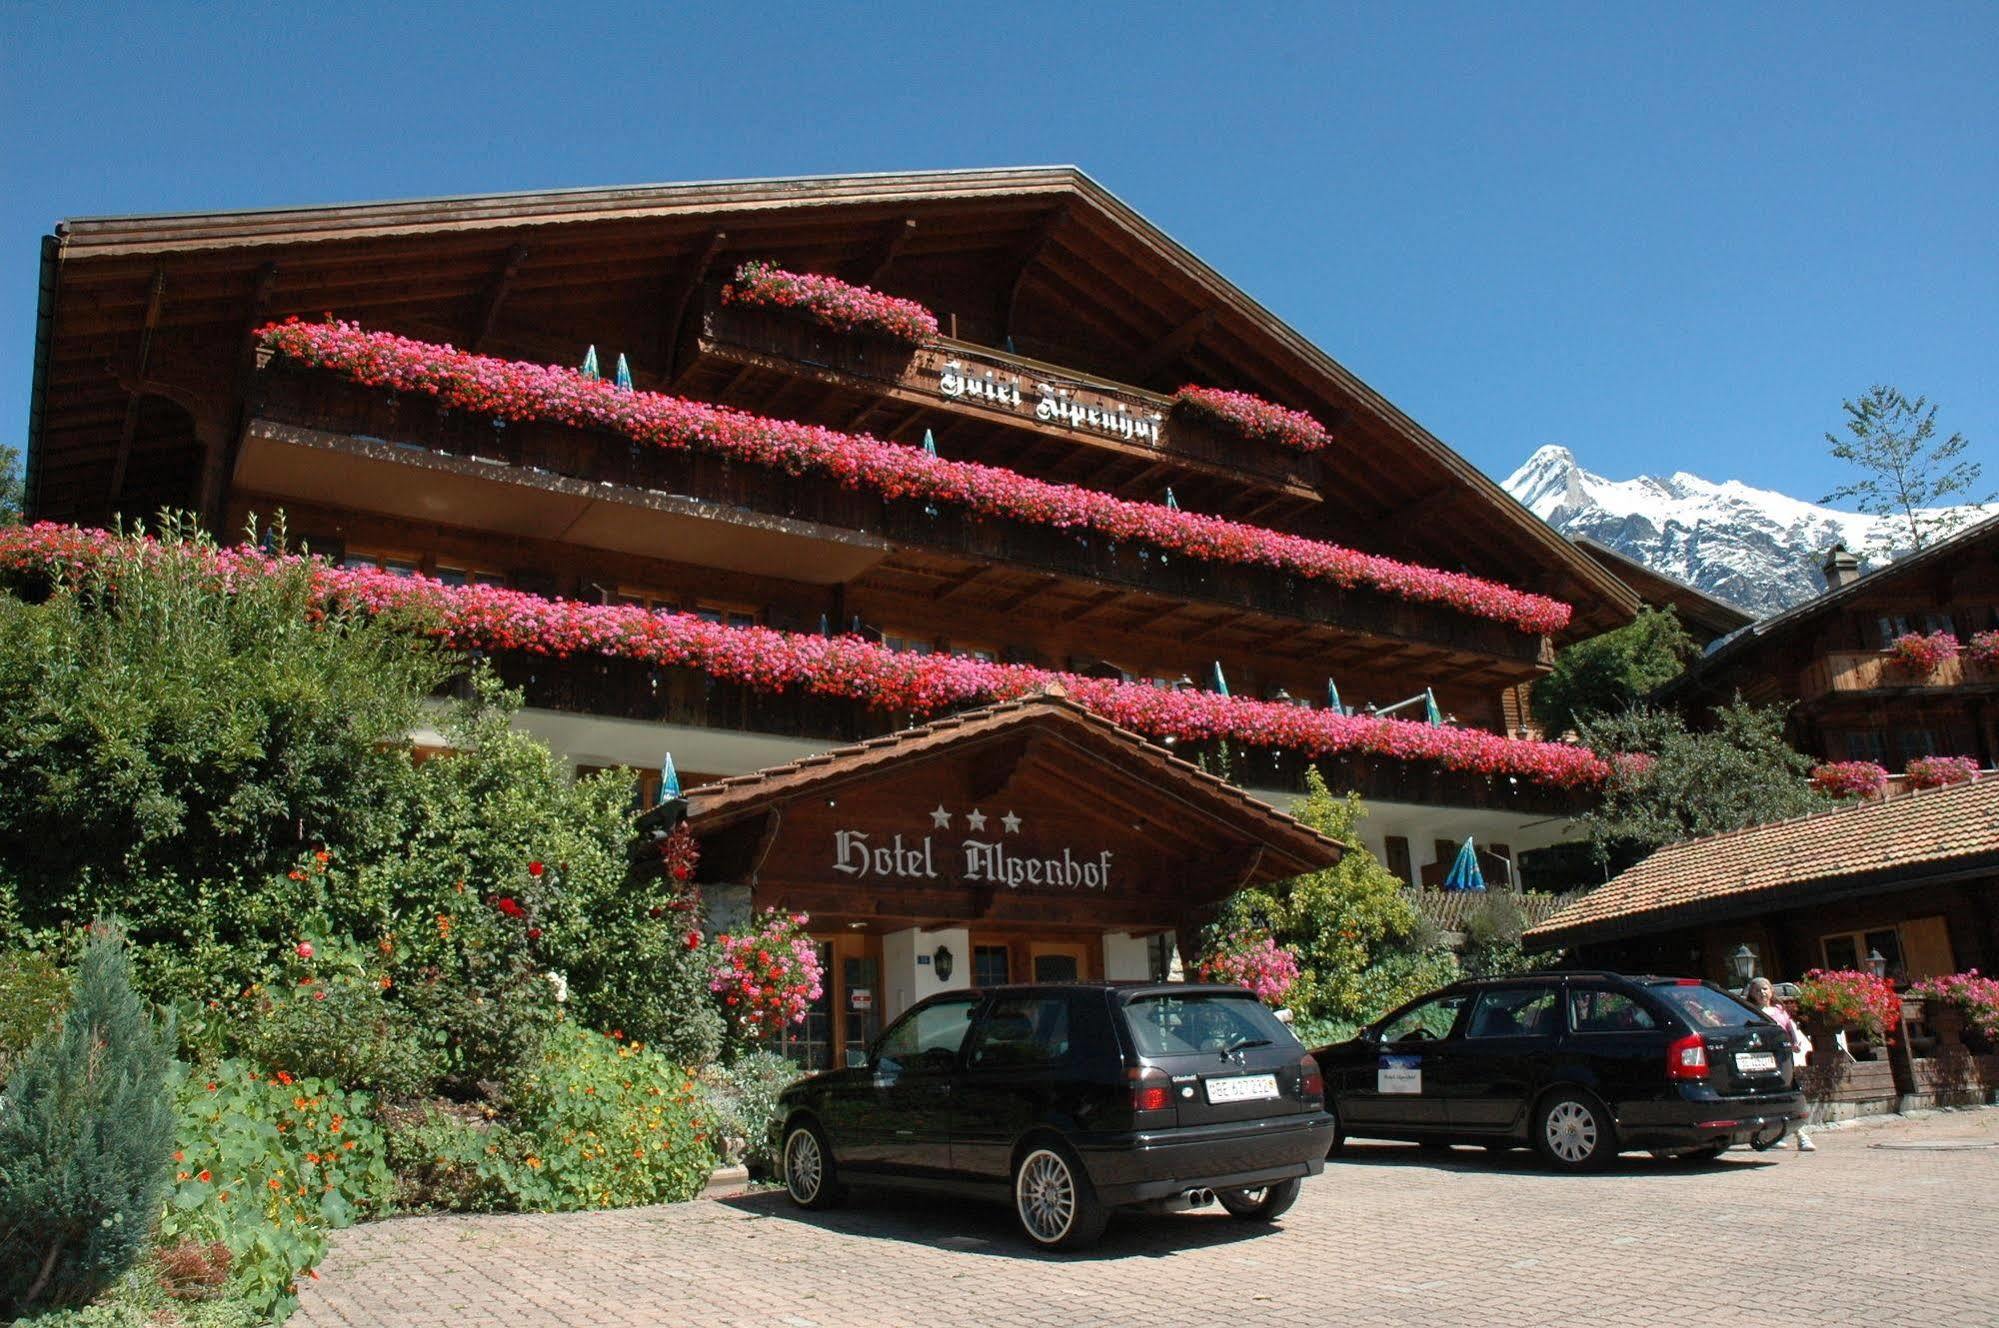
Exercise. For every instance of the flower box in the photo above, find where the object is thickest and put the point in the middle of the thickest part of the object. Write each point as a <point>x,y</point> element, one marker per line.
<point>1850,779</point>
<point>830,302</point>
<point>1255,419</point>
<point>1917,655</point>
<point>1928,772</point>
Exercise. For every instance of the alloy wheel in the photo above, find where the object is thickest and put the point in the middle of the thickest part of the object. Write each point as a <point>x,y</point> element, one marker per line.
<point>804,1167</point>
<point>1045,1194</point>
<point>1571,1131</point>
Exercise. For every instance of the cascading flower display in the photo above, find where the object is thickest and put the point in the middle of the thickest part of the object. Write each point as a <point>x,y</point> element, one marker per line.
<point>1984,649</point>
<point>1255,419</point>
<point>1850,779</point>
<point>487,617</point>
<point>512,390</point>
<point>1848,998</point>
<point>837,304</point>
<point>768,976</point>
<point>1928,772</point>
<point>1256,962</point>
<point>1920,655</point>
<point>1976,997</point>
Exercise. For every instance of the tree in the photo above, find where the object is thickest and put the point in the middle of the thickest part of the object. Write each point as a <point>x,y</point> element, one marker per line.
<point>1909,479</point>
<point>1362,946</point>
<point>11,492</point>
<point>1669,783</point>
<point>1611,672</point>
<point>85,1131</point>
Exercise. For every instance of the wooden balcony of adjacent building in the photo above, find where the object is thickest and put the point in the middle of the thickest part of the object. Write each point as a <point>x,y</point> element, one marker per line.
<point>1873,673</point>
<point>315,438</point>
<point>633,690</point>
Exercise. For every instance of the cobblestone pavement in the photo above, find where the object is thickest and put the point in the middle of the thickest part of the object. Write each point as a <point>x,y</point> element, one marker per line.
<point>1858,1233</point>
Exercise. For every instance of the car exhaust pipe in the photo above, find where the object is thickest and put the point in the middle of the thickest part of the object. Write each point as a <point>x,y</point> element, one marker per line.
<point>1182,1202</point>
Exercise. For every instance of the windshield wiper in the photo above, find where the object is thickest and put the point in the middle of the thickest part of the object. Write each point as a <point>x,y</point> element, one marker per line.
<point>1234,1047</point>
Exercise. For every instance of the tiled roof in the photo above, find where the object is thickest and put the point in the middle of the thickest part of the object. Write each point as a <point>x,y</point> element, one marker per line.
<point>1292,845</point>
<point>1884,845</point>
<point>1448,909</point>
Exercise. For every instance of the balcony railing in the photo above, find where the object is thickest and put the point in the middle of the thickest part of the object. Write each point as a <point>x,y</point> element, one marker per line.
<point>625,689</point>
<point>288,394</point>
<point>1855,671</point>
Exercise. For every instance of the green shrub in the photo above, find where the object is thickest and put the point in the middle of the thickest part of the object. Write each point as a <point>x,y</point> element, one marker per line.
<point>1492,937</point>
<point>86,1123</point>
<point>613,1123</point>
<point>34,991</point>
<point>741,1103</point>
<point>326,1014</point>
<point>267,1164</point>
<point>455,1162</point>
<point>139,1300</point>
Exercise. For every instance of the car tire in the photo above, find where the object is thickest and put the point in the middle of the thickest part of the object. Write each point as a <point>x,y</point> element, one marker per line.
<point>1339,1131</point>
<point>1053,1199</point>
<point>809,1177</point>
<point>1264,1204</point>
<point>1573,1132</point>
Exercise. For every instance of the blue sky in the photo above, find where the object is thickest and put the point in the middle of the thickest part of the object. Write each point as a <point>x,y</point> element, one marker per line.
<point>1669,237</point>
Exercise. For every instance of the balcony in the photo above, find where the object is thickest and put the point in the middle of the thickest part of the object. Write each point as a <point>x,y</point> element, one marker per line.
<point>848,532</point>
<point>1869,673</point>
<point>625,689</point>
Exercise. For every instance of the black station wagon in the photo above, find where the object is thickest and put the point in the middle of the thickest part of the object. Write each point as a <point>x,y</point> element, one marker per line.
<point>1580,1065</point>
<point>1070,1100</point>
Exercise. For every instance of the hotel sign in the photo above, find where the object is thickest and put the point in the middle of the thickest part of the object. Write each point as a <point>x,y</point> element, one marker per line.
<point>971,856</point>
<point>1001,385</point>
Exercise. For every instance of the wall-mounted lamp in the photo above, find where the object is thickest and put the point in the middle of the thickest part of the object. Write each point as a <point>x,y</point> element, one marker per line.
<point>942,963</point>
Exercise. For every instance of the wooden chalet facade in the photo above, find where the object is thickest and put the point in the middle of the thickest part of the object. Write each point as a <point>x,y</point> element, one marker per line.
<point>150,392</point>
<point>1830,659</point>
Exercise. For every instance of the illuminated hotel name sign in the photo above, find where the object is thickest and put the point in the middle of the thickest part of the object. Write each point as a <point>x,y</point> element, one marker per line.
<point>1051,403</point>
<point>972,860</point>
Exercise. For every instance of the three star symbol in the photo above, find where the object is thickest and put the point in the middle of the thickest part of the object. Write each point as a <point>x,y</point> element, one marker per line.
<point>975,818</point>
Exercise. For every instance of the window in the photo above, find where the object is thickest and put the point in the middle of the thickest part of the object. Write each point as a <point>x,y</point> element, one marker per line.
<point>974,650</point>
<point>1181,1025</point>
<point>909,643</point>
<point>644,598</point>
<point>1159,956</point>
<point>1938,622</point>
<point>1888,627</point>
<point>395,564</point>
<point>1867,745</point>
<point>1425,1021</point>
<point>989,966</point>
<point>1446,850</point>
<point>1915,743</point>
<point>1849,950</point>
<point>1397,849</point>
<point>928,1037</point>
<point>452,575</point>
<point>1513,1012</point>
<point>1024,1032</point>
<point>1055,968</point>
<point>729,615</point>
<point>1595,1010</point>
<point>1704,1006</point>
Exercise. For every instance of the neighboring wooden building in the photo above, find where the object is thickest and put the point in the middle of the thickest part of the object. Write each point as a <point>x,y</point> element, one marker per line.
<point>1827,659</point>
<point>149,392</point>
<point>1913,878</point>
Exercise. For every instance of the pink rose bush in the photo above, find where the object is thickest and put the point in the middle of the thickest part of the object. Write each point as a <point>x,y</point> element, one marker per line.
<point>837,304</point>
<point>1920,656</point>
<point>1984,649</point>
<point>487,617</point>
<point>1850,779</point>
<point>1256,962</point>
<point>1254,418</point>
<point>767,977</point>
<point>1928,772</point>
<point>516,391</point>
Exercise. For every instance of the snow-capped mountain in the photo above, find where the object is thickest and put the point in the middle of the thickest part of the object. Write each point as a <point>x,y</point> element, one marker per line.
<point>1755,548</point>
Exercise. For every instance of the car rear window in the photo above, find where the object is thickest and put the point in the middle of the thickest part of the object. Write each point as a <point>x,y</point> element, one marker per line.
<point>1176,1025</point>
<point>1705,1007</point>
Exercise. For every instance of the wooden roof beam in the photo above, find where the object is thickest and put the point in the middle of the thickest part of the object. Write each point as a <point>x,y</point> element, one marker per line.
<point>495,296</point>
<point>872,266</point>
<point>1173,345</point>
<point>1041,585</point>
<point>1403,520</point>
<point>1024,258</point>
<point>674,307</point>
<point>154,300</point>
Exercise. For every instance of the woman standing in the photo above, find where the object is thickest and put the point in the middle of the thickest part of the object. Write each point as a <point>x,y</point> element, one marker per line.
<point>1764,997</point>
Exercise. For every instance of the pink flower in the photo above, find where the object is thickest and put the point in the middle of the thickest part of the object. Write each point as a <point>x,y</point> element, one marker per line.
<point>834,303</point>
<point>303,950</point>
<point>1256,419</point>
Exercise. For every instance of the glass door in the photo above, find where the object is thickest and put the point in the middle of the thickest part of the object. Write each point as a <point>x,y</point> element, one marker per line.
<point>810,1044</point>
<point>860,997</point>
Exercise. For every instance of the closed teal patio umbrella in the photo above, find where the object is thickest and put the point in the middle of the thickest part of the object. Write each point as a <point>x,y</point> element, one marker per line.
<point>1464,874</point>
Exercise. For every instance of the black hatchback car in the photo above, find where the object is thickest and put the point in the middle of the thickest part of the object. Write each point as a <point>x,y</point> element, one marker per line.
<point>1581,1065</point>
<point>1070,1100</point>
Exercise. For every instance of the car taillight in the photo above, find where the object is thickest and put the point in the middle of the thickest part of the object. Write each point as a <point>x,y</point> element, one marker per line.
<point>1686,1058</point>
<point>1311,1083</point>
<point>1151,1090</point>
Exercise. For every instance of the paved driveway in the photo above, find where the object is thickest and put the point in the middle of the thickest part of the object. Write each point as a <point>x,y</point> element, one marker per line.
<point>1865,1231</point>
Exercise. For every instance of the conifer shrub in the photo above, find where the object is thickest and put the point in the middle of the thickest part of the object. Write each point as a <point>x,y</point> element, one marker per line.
<point>86,1130</point>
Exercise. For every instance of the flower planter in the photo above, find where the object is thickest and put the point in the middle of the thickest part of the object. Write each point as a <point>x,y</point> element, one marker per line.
<point>1945,1020</point>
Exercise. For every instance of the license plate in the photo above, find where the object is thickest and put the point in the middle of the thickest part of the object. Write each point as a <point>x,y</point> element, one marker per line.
<point>1242,1088</point>
<point>1756,1062</point>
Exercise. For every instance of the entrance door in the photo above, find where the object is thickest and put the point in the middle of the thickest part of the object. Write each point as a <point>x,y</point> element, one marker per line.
<point>1058,961</point>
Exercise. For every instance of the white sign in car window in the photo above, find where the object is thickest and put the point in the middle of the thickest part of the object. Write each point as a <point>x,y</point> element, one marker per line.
<point>1399,1074</point>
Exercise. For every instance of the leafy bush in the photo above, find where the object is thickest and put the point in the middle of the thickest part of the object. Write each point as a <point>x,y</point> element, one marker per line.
<point>1492,937</point>
<point>459,1162</point>
<point>145,1298</point>
<point>1362,947</point>
<point>85,1127</point>
<point>172,744</point>
<point>1323,1032</point>
<point>326,1014</point>
<point>34,991</point>
<point>266,1165</point>
<point>741,1102</point>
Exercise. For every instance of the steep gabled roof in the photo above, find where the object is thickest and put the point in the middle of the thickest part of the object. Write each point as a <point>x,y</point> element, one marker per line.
<point>1698,609</point>
<point>607,263</point>
<point>1858,849</point>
